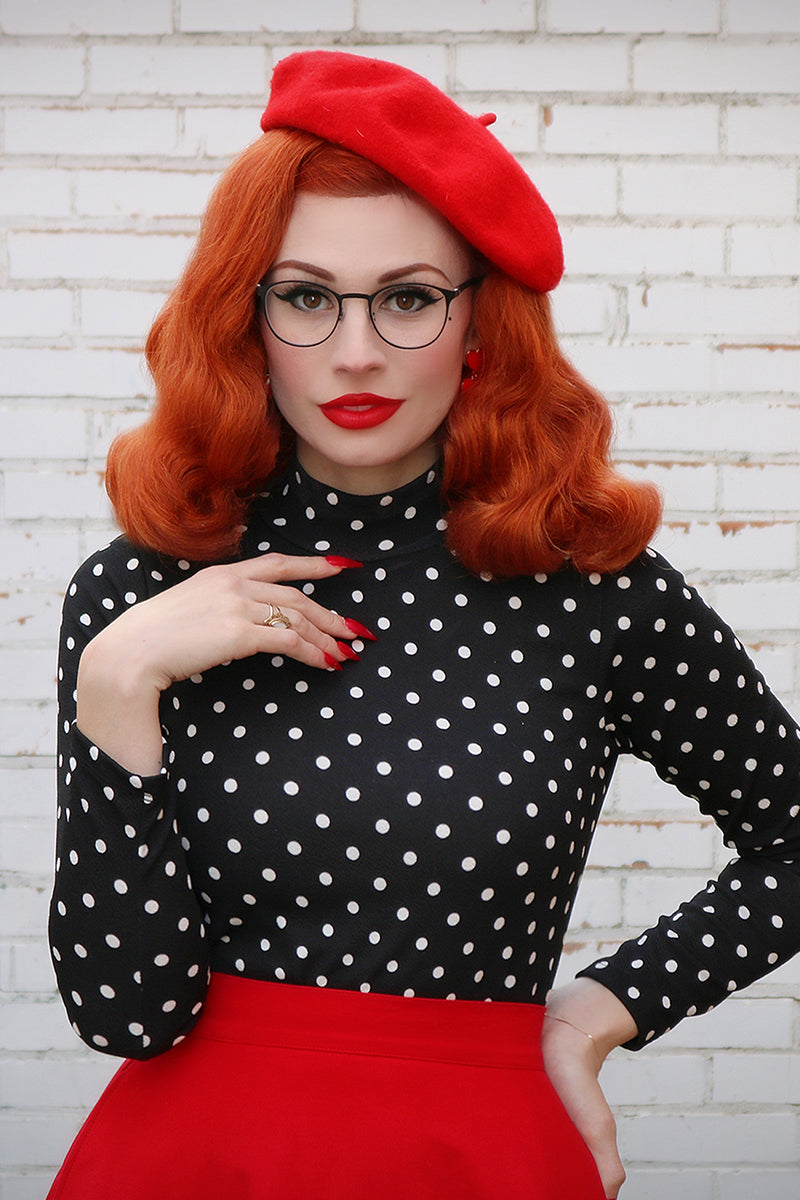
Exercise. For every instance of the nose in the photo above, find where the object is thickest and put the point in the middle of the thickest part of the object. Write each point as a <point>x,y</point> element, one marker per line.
<point>355,344</point>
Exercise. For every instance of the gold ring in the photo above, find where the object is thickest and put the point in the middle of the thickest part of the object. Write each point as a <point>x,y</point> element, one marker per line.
<point>276,617</point>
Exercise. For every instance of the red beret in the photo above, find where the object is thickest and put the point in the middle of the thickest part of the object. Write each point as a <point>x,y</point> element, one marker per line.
<point>400,121</point>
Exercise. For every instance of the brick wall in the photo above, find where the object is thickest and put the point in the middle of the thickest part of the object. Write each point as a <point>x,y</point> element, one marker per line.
<point>666,135</point>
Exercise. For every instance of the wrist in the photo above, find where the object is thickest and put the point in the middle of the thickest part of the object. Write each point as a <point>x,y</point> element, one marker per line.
<point>594,1011</point>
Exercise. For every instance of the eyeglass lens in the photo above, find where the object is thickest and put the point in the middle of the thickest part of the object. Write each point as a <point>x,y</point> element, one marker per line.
<point>407,315</point>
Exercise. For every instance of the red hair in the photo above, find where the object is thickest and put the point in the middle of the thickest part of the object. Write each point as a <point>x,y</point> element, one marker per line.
<point>527,476</point>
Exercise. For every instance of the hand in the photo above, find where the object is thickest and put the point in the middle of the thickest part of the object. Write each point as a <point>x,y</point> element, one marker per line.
<point>573,1061</point>
<point>218,615</point>
<point>210,618</point>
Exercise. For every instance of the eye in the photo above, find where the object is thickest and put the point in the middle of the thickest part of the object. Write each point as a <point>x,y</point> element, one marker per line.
<point>408,298</point>
<point>304,297</point>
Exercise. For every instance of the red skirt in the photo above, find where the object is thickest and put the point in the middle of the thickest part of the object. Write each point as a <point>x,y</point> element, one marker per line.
<point>293,1093</point>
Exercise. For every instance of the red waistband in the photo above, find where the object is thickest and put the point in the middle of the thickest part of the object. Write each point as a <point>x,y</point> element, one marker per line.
<point>483,1033</point>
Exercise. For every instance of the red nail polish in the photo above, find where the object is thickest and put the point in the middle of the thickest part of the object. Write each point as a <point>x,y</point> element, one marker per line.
<point>359,629</point>
<point>336,560</point>
<point>332,662</point>
<point>348,651</point>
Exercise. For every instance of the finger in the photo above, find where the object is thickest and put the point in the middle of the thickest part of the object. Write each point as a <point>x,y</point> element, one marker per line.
<point>326,621</point>
<point>290,567</point>
<point>306,627</point>
<point>300,641</point>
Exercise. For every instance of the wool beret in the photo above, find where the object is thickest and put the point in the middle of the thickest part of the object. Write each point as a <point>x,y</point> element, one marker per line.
<point>403,123</point>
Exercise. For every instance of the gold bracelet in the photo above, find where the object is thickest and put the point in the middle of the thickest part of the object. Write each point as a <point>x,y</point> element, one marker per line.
<point>577,1029</point>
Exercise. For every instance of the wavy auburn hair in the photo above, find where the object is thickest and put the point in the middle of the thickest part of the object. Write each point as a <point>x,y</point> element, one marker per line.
<point>527,476</point>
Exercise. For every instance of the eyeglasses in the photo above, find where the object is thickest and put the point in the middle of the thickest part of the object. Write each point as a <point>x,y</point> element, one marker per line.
<point>408,316</point>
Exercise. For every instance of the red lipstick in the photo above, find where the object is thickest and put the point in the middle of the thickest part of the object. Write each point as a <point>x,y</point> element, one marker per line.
<point>361,410</point>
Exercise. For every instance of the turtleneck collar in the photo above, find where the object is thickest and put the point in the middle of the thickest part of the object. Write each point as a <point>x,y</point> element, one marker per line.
<point>318,519</point>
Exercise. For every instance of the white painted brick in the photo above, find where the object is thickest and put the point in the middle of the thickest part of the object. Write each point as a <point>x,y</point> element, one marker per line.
<point>107,423</point>
<point>569,189</point>
<point>633,129</point>
<point>83,373</point>
<point>748,428</point>
<point>32,969</point>
<point>75,1083</point>
<point>74,255</point>
<point>27,845</point>
<point>41,70</point>
<point>709,1137</point>
<point>651,844</point>
<point>738,1023</point>
<point>106,313</point>
<point>765,250</point>
<point>266,16</point>
<point>517,124</point>
<point>40,1142</point>
<point>760,487</point>
<point>763,129</point>
<point>43,313</point>
<point>37,1024</point>
<point>28,617</point>
<point>34,193</point>
<point>760,605</point>
<point>754,1079</point>
<point>640,369</point>
<point>709,190</point>
<point>765,368</point>
<point>710,65</point>
<point>31,1185</point>
<point>28,791</point>
<point>66,494</point>
<point>625,250</point>
<point>98,536</point>
<point>713,546</point>
<point>177,70</point>
<point>127,132</point>
<point>460,16</point>
<point>654,1183</point>
<point>768,16</point>
<point>30,552</point>
<point>28,675</point>
<point>90,16</point>
<point>557,65</point>
<point>631,16</point>
<point>584,308</point>
<point>689,310</point>
<point>686,487</point>
<point>25,914</point>
<point>647,895</point>
<point>654,1080</point>
<point>638,790</point>
<point>599,903</point>
<point>777,665</point>
<point>218,132</point>
<point>37,432</point>
<point>777,1184</point>
<point>430,60</point>
<point>143,193</point>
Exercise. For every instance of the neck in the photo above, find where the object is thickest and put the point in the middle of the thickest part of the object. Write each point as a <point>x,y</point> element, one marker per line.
<point>367,479</point>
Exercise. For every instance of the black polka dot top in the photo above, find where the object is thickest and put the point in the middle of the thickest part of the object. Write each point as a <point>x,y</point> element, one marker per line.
<point>417,823</point>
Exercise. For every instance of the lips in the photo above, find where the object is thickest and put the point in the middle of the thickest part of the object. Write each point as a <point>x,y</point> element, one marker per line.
<point>362,410</point>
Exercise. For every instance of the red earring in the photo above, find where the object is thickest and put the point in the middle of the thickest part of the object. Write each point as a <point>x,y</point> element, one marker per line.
<point>472,369</point>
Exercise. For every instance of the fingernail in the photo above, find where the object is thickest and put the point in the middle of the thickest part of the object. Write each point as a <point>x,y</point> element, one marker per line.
<point>359,629</point>
<point>336,560</point>
<point>332,662</point>
<point>348,651</point>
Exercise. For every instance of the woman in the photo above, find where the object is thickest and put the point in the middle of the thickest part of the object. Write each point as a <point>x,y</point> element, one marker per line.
<point>353,767</point>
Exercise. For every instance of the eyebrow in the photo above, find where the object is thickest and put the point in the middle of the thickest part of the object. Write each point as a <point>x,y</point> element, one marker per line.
<point>387,277</point>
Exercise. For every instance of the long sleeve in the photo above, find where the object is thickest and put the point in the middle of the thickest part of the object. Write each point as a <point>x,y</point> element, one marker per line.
<point>684,695</point>
<point>126,930</point>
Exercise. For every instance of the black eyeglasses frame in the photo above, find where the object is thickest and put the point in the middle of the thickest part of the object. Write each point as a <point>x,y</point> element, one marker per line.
<point>449,294</point>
